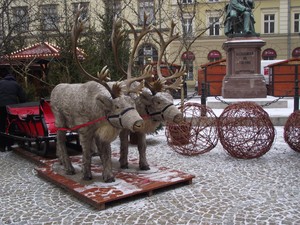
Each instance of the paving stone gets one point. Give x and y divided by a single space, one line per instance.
225 191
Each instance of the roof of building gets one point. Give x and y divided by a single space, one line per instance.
40 51
292 61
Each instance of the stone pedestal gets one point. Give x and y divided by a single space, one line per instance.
243 78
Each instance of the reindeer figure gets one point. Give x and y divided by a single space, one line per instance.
105 109
154 101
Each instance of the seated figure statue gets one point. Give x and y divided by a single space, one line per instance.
239 19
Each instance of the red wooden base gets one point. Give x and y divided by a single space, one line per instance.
129 182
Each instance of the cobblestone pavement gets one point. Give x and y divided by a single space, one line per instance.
225 190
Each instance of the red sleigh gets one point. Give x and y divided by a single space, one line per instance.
31 125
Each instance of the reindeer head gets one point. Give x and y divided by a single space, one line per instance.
154 99
120 109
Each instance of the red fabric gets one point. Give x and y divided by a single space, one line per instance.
82 125
24 111
49 117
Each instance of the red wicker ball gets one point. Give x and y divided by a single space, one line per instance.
245 130
292 131
197 134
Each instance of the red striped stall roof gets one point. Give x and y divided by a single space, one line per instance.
42 50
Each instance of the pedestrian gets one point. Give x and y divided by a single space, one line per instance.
10 93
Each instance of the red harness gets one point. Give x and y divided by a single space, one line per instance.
92 122
82 125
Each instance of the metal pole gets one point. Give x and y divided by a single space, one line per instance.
203 94
208 89
203 99
182 96
296 95
289 18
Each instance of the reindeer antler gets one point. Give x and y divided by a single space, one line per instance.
160 83
137 39
116 38
77 28
147 73
178 76
163 46
103 76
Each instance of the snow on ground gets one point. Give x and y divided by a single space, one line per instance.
225 190
272 110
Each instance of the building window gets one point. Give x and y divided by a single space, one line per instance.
187 1
187 27
214 26
85 10
117 7
49 17
188 57
146 7
190 69
269 23
297 23
269 54
20 18
147 54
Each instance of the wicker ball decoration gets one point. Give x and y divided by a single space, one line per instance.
197 134
245 130
292 131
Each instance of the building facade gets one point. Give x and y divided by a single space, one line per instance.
199 23
277 22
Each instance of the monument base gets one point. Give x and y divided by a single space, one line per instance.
244 86
243 78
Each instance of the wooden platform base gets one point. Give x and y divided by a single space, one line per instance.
129 182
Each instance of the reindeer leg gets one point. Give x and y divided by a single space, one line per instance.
142 151
105 156
86 143
62 153
124 149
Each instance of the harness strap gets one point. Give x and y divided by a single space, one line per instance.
97 120
161 112
82 125
120 115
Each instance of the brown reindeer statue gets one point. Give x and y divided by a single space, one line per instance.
98 111
154 102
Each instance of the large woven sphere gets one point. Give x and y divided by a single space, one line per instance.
197 134
292 131
245 130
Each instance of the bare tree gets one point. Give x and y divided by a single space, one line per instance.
25 22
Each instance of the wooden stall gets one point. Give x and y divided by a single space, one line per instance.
35 60
212 75
284 76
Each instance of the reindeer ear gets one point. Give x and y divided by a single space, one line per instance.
105 101
146 98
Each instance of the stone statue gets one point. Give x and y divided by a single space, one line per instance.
239 19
